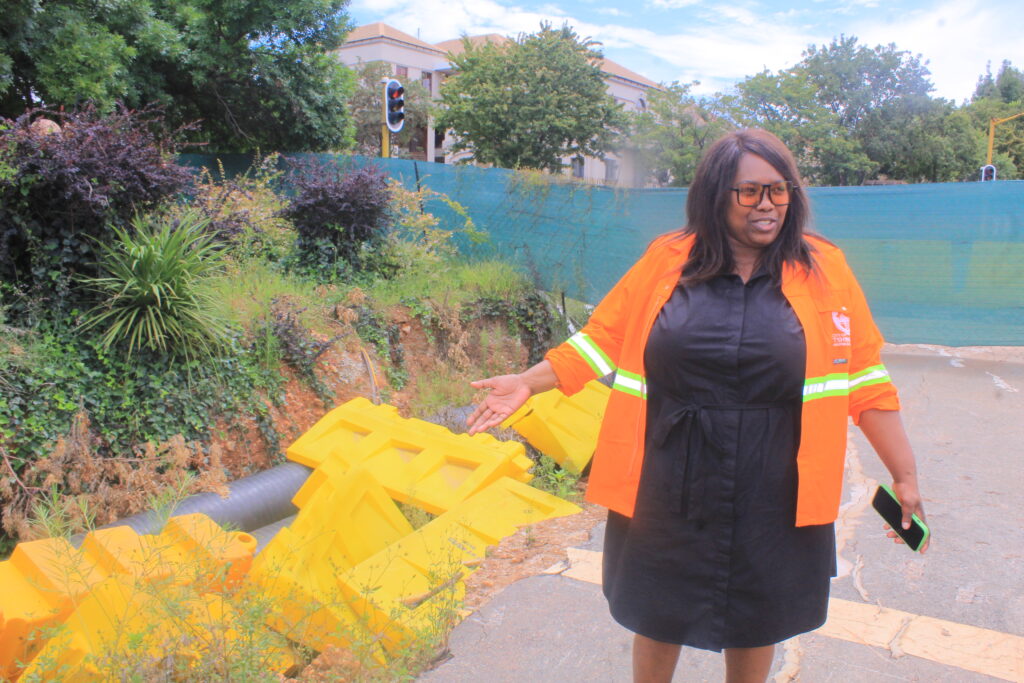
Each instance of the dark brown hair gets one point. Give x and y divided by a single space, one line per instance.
710 197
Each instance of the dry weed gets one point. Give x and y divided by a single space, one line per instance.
103 488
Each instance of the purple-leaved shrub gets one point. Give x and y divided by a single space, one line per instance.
68 184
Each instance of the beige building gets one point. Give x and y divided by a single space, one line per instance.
413 59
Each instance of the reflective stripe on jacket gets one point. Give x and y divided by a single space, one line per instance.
844 374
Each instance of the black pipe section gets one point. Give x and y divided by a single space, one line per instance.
264 534
253 502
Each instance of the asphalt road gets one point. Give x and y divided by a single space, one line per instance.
954 615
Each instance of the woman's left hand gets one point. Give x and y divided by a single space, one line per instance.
910 499
884 430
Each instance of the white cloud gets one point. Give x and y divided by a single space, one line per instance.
738 15
552 10
957 37
672 4
725 45
720 45
438 20
735 44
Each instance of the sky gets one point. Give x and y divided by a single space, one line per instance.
720 43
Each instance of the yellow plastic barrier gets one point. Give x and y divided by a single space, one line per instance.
327 588
40 583
124 623
417 462
297 579
43 580
344 518
190 549
405 589
350 512
565 428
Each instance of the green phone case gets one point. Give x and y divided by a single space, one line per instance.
914 518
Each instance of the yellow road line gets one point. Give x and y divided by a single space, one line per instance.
984 651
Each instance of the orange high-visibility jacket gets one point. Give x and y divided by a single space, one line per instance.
844 374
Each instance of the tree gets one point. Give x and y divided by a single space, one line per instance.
1007 86
850 112
852 80
923 140
999 98
531 102
786 104
669 137
1009 137
366 108
257 73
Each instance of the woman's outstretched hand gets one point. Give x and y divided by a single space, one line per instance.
507 394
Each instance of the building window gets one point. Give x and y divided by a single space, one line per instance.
577 167
641 104
427 79
439 146
401 72
611 170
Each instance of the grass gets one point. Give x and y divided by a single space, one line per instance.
451 282
17 348
250 289
417 516
440 389
549 476
246 295
176 616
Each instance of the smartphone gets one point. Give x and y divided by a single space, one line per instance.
888 506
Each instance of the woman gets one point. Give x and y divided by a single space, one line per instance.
740 345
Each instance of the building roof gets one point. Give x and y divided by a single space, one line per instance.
379 29
456 47
606 65
615 69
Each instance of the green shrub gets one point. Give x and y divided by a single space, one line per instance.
154 293
340 217
56 375
530 314
549 476
296 345
63 188
245 212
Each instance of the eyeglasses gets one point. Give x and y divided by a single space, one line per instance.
751 194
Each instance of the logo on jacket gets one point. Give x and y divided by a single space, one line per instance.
842 323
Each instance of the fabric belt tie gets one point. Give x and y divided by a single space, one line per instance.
701 452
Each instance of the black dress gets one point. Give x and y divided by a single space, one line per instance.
711 557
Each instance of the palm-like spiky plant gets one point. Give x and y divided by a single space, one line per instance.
153 289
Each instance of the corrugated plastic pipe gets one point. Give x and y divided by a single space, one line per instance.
253 502
264 534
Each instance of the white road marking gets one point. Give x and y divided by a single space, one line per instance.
792 659
943 351
861 488
1001 383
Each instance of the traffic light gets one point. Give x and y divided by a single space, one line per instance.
988 173
394 105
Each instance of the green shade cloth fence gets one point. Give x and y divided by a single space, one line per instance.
939 263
